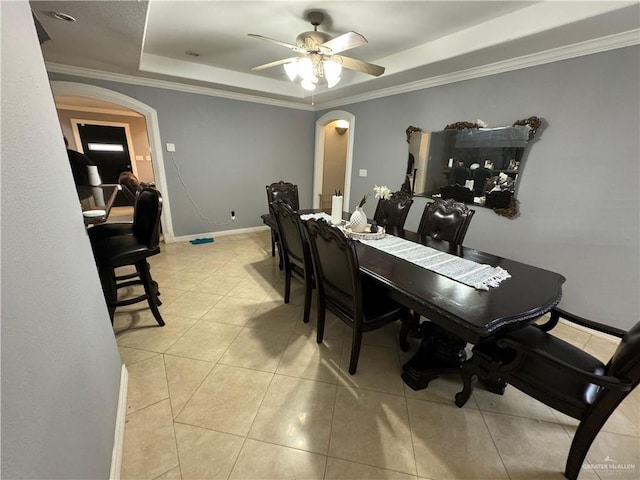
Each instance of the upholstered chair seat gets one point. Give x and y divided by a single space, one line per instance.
537 374
559 375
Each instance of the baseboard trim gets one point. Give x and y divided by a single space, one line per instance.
121 415
223 233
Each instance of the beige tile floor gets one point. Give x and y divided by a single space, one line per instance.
236 387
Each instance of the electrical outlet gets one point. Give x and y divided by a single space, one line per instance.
171 147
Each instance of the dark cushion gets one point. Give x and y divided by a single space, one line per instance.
539 378
377 306
121 250
498 199
458 192
105 230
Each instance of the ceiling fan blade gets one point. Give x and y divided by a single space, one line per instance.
359 65
295 48
273 64
344 42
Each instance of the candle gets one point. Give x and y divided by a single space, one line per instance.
336 209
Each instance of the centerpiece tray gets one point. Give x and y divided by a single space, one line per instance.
366 235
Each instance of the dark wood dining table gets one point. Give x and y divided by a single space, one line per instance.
456 314
100 197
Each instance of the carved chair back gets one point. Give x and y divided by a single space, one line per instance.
392 213
285 191
146 217
480 177
336 266
295 247
446 220
460 174
457 192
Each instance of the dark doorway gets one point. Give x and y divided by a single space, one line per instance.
107 147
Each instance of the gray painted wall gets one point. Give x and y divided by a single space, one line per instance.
60 364
226 152
578 189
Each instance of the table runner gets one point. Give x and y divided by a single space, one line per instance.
316 216
476 275
468 272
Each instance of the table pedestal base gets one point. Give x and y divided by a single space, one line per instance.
439 353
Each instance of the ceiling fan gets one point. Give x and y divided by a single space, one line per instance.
318 63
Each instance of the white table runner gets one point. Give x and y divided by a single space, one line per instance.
316 216
476 275
468 272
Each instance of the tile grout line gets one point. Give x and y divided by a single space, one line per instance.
173 425
495 445
413 446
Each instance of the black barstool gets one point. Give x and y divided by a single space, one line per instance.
115 247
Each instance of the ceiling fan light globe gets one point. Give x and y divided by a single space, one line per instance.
307 84
305 67
332 83
332 71
291 70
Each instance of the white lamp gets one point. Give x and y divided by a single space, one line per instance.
292 70
310 75
332 71
308 84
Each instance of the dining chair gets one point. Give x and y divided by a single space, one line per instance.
559 375
458 193
392 213
460 174
288 193
480 177
325 201
119 250
295 252
498 199
360 302
446 220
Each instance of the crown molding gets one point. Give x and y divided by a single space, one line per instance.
168 85
107 111
612 42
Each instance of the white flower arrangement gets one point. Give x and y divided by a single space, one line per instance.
481 123
381 191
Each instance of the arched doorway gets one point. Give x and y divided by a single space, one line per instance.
153 131
321 123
